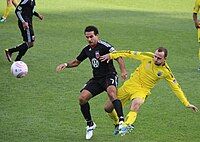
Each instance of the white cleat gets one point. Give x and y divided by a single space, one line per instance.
122 128
130 128
89 131
2 19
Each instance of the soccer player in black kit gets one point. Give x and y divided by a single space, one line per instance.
24 12
104 78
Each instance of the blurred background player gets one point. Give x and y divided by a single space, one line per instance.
196 22
8 9
153 68
24 12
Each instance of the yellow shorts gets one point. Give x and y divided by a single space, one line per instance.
133 92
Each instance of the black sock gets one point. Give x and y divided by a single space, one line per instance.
22 50
118 108
85 109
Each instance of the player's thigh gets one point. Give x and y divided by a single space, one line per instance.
110 80
112 92
139 93
85 96
136 103
93 87
27 34
123 96
138 98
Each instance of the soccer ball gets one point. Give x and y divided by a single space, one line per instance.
19 69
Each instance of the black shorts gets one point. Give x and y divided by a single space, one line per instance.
27 34
97 85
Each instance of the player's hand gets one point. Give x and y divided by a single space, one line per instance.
25 25
105 57
193 107
60 67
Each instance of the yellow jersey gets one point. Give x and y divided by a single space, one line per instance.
147 74
196 6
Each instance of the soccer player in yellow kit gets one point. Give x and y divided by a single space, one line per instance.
196 22
153 68
8 9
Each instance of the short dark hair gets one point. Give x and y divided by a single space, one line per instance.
162 49
91 28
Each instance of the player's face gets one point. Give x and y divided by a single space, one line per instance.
91 38
159 58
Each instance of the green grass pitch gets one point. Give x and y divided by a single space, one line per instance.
43 107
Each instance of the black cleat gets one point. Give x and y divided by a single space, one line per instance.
8 55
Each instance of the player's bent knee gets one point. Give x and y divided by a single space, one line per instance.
30 44
82 100
135 106
108 109
84 97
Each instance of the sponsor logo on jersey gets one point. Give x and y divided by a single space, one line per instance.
95 63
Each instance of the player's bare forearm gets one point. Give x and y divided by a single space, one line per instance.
69 64
72 63
122 67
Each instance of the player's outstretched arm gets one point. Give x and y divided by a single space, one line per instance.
122 67
70 64
193 107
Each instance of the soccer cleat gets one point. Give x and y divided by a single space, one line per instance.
122 128
116 130
2 19
8 55
89 131
130 128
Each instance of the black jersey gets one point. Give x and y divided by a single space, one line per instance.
25 10
100 69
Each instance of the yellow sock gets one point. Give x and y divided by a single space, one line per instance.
7 11
114 117
131 117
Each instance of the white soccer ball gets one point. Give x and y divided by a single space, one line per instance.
19 69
